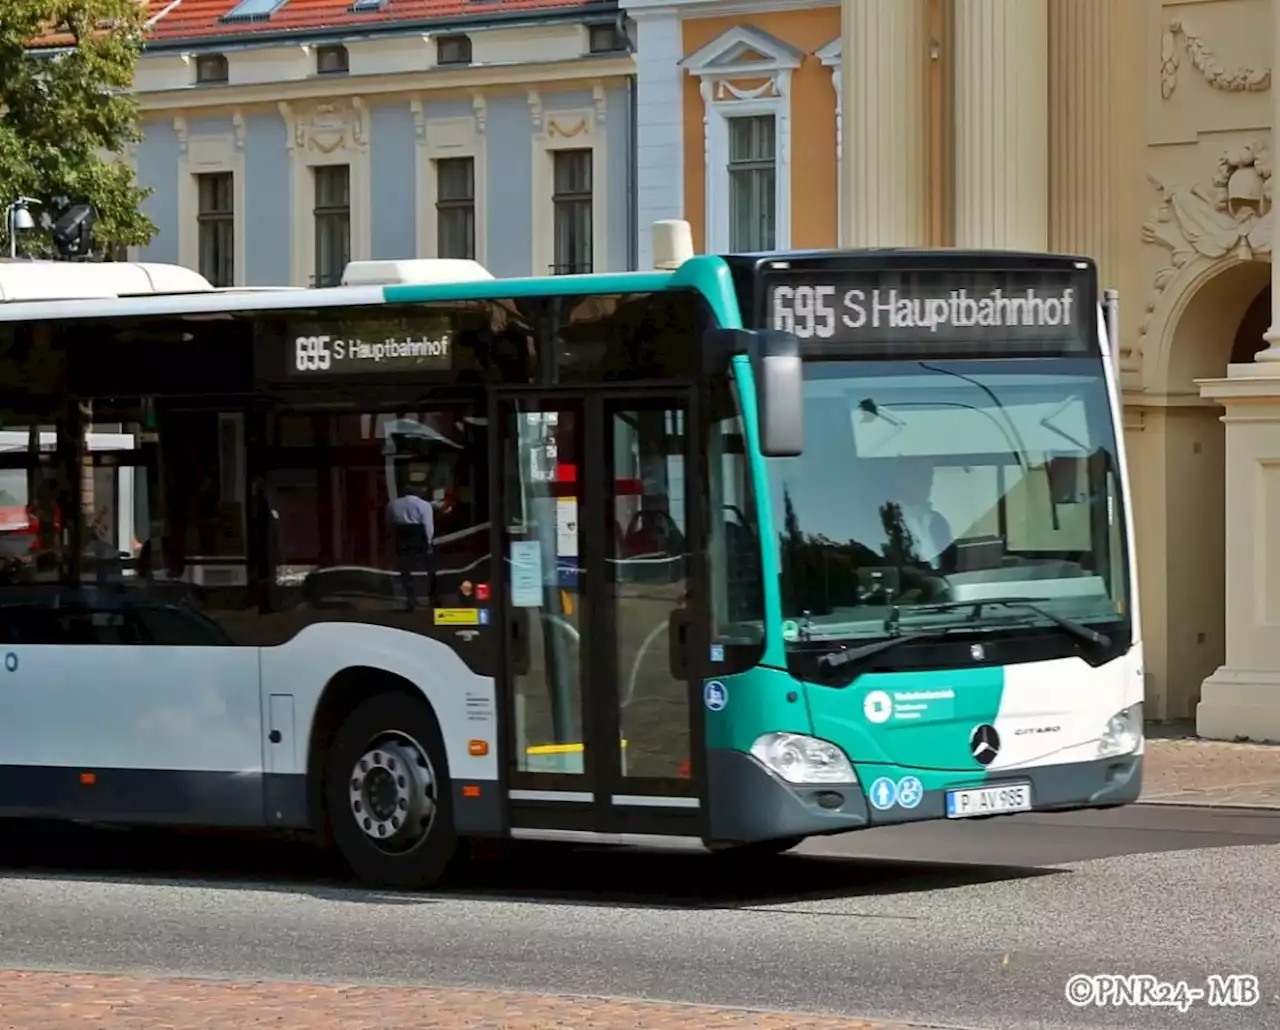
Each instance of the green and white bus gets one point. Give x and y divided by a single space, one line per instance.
743 551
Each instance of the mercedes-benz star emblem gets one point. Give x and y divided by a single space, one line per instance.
984 744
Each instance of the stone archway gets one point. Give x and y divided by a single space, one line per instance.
1256 321
1217 320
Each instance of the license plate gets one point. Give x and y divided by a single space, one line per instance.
964 804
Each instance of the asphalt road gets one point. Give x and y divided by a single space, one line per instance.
985 934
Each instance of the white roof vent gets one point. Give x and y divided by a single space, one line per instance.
94 280
414 271
672 243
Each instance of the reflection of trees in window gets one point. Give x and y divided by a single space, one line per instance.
900 546
819 574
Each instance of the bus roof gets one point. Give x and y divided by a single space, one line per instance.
211 302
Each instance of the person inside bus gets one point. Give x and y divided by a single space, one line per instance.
412 522
921 543
926 528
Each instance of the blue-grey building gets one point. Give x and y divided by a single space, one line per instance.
283 138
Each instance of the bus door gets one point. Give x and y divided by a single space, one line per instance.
601 540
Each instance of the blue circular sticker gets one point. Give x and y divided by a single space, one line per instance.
883 793
910 791
11 661
715 695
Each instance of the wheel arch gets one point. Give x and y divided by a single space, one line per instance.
345 690
331 667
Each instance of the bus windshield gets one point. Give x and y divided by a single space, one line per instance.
930 482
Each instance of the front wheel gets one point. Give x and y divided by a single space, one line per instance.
388 794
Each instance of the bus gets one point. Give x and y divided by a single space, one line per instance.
739 551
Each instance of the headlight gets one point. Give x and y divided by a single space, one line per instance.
801 759
1123 734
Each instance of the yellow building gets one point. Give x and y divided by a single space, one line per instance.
1138 132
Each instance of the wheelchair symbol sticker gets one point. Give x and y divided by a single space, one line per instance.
910 791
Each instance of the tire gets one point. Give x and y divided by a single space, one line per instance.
388 760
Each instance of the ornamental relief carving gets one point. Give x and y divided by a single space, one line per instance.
721 90
1229 214
1242 79
328 126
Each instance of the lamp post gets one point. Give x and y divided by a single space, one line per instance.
19 220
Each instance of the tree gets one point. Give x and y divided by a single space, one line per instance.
65 106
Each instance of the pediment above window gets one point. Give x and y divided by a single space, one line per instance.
744 52
831 55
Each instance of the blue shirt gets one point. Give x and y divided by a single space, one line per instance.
412 510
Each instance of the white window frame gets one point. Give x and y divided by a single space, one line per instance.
439 138
717 67
832 56
316 138
581 129
198 155
719 144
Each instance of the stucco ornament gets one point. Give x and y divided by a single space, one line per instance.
1230 214
1244 78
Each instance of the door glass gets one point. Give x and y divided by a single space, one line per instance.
648 579
542 462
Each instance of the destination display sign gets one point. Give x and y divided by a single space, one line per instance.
970 311
369 347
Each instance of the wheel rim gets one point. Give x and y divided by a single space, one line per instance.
392 793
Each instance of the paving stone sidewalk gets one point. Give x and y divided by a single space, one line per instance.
87 1001
1182 769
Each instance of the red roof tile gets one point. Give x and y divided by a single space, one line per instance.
201 19
61 39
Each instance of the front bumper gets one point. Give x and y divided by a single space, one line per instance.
749 803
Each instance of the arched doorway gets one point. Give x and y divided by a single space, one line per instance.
1256 321
1181 564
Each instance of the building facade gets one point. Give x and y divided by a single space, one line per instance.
283 138
1136 132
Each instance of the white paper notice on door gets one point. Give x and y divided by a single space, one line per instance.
566 527
526 573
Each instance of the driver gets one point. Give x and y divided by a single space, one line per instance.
927 532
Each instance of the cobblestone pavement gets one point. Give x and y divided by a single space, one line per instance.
1182 769
87 1001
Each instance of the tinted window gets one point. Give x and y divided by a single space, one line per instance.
629 336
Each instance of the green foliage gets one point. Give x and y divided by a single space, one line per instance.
65 107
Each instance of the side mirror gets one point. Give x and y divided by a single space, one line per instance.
775 362
779 378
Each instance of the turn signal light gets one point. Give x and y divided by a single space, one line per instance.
477 748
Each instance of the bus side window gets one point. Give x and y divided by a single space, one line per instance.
163 513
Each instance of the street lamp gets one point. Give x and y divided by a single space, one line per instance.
20 220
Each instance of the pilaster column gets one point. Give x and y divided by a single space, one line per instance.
1242 699
1002 132
1083 83
1272 352
659 124
884 187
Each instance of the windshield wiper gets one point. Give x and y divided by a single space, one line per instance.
835 659
1076 629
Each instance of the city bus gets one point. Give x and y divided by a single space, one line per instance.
740 551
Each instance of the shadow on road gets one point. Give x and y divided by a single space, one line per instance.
541 873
